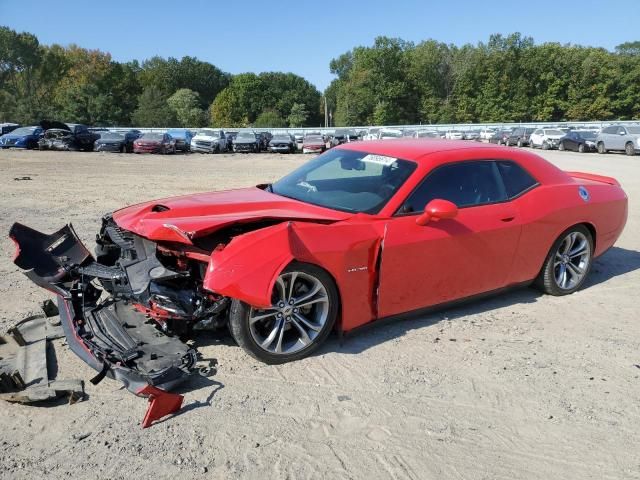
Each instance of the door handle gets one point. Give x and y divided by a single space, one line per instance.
508 219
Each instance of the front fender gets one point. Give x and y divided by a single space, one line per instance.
248 266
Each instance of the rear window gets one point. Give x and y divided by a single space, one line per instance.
516 179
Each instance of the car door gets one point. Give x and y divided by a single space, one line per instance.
454 258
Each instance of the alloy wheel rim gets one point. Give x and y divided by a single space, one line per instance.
571 260
298 313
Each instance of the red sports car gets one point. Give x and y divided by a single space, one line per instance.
363 232
313 144
153 142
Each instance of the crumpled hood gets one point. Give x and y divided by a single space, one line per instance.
180 219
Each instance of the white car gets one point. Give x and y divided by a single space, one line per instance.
545 138
454 135
486 133
389 134
372 134
209 140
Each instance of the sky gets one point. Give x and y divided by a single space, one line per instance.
302 37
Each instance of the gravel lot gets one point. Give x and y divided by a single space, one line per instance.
517 386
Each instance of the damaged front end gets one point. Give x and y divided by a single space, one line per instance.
121 311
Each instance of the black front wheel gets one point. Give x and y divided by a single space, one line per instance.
303 311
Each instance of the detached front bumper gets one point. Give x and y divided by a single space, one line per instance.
109 334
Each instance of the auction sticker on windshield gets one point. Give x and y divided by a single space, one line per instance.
379 159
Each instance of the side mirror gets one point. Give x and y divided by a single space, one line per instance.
437 209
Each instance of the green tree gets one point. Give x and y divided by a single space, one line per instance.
185 104
298 115
270 118
153 110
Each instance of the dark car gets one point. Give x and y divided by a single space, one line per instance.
282 143
23 137
231 137
500 137
66 136
519 136
183 137
578 141
264 138
7 127
246 142
343 135
116 142
154 142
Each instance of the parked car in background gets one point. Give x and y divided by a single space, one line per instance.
154 142
408 133
298 136
282 143
313 144
372 134
246 141
265 138
619 138
23 137
545 138
471 135
389 134
340 136
578 141
182 138
427 134
7 127
454 135
116 142
519 137
500 137
487 133
66 136
209 140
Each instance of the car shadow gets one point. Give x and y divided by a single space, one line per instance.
615 262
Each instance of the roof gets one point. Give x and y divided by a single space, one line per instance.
413 149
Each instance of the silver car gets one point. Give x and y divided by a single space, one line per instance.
619 137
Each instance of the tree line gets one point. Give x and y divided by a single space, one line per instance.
507 79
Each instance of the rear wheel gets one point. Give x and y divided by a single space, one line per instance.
304 308
561 146
601 148
629 149
568 263
581 148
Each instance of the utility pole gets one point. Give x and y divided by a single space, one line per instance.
326 112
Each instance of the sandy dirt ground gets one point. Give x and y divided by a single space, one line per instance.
520 386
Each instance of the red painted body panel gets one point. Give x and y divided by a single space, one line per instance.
198 215
385 264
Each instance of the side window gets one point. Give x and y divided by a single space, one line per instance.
465 184
516 179
610 130
622 131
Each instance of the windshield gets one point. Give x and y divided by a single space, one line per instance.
391 134
151 136
346 180
246 136
587 135
634 130
23 131
111 136
313 138
553 132
208 133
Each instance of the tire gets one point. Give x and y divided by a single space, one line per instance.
550 280
629 149
561 147
519 143
581 148
545 145
123 149
276 329
601 148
